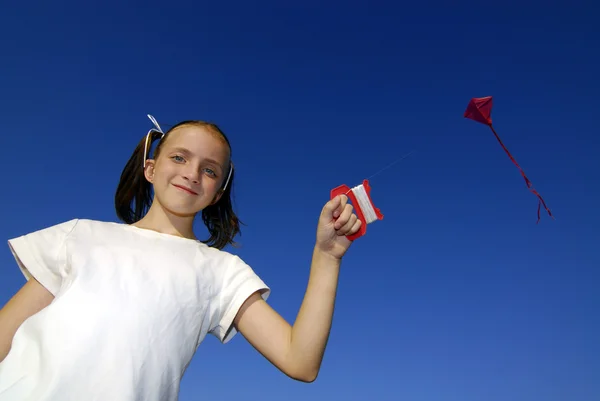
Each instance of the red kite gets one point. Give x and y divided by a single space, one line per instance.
480 110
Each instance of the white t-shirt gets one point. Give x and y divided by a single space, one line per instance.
131 306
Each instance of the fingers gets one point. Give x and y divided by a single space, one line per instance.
345 217
350 228
347 223
355 227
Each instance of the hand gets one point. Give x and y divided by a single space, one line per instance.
336 222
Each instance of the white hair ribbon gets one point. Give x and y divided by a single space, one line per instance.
157 129
228 176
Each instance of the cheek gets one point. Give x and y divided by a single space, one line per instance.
212 185
165 171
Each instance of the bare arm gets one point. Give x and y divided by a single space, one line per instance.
29 300
298 350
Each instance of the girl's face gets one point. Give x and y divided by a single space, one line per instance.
192 165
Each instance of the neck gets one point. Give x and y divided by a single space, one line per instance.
158 219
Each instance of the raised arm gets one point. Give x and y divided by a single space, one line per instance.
298 350
29 300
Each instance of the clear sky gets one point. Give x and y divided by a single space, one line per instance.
457 295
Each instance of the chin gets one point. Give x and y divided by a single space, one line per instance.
182 207
185 207
180 210
183 213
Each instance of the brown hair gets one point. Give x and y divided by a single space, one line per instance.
134 193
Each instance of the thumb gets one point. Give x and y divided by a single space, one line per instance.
335 206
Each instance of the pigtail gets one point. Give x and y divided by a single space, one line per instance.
134 193
220 219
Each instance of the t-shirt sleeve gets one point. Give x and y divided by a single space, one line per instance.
239 281
43 254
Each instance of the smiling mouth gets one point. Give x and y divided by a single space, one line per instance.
189 191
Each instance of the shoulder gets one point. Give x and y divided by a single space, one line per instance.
56 231
236 282
226 266
68 226
237 278
108 225
98 227
220 258
76 229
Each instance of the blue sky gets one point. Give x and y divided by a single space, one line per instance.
457 294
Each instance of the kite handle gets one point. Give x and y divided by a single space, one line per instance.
345 190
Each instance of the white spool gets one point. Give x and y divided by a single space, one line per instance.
364 203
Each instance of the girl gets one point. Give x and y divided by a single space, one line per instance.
116 311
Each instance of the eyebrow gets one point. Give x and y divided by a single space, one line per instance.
181 150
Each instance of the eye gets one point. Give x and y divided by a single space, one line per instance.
210 172
178 159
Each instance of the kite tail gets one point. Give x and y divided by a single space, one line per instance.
529 185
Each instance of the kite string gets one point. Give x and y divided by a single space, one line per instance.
391 164
361 194
372 175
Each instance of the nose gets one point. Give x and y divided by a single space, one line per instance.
192 174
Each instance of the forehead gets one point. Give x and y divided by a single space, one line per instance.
200 141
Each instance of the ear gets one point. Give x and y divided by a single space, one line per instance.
149 170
